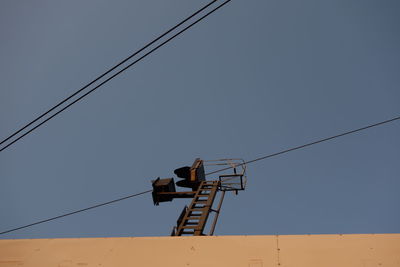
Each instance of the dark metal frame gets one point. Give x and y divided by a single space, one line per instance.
193 218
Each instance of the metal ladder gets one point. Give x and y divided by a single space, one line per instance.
193 218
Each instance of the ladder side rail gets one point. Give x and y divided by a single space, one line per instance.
217 211
207 207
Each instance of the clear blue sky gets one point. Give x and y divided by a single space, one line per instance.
254 78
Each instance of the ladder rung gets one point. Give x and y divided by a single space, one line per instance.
191 223
194 221
189 227
201 201
193 218
198 205
195 215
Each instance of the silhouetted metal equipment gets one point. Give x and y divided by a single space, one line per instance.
192 175
162 185
164 190
193 218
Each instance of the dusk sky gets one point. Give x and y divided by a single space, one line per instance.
254 78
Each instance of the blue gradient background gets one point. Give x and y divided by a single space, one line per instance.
255 78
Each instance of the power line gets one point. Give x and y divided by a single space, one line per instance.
74 212
113 76
110 78
310 144
247 162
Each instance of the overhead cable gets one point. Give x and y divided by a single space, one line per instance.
75 212
114 75
247 162
310 144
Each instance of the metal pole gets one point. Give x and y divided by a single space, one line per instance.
217 213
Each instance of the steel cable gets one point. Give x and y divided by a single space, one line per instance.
74 212
108 71
309 144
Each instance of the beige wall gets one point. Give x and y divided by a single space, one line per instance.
245 251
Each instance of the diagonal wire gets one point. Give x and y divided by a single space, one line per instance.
74 212
309 144
247 162
108 71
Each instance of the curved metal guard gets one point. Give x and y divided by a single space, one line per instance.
193 219
234 177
